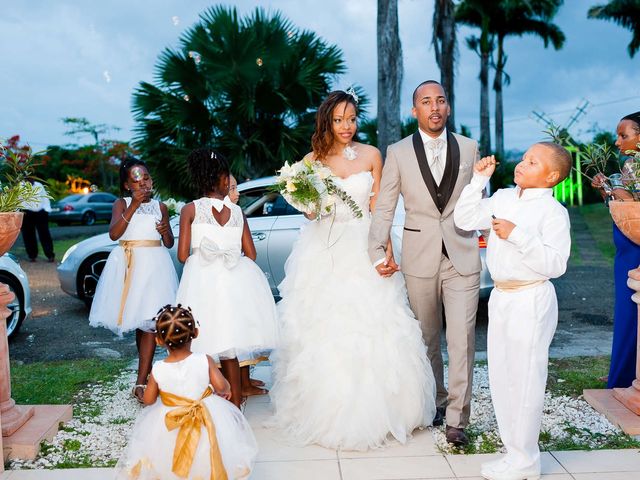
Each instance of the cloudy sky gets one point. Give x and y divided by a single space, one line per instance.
83 59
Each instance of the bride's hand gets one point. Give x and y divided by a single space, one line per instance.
388 267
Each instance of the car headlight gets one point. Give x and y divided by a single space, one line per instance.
69 252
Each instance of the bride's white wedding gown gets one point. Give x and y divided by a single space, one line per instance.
351 370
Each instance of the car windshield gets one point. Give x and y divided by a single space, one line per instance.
72 198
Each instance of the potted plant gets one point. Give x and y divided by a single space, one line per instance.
15 192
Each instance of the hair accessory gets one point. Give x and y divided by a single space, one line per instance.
351 91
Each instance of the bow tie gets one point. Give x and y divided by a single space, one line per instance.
210 251
220 204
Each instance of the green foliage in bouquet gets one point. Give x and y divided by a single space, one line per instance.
309 187
16 169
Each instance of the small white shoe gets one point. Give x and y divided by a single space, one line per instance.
501 470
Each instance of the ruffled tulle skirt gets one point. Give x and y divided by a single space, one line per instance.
150 448
351 370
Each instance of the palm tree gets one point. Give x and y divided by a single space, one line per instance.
477 13
444 45
519 17
389 74
625 13
246 86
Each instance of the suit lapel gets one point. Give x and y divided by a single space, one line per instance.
423 163
451 169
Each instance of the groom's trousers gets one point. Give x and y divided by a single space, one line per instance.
459 295
521 327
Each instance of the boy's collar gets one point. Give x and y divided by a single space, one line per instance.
529 193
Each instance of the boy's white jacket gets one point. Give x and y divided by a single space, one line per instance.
538 247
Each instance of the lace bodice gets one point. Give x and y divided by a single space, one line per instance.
358 187
227 236
143 222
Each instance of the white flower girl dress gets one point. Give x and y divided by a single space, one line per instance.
227 292
151 276
149 454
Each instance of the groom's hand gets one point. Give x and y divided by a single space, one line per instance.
485 166
388 267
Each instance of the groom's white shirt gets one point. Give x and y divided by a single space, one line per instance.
436 172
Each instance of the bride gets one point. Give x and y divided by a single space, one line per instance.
351 371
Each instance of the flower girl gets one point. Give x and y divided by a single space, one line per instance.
189 433
139 276
227 291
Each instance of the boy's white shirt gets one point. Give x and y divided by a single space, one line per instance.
537 248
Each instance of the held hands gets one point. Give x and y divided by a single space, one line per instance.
502 227
388 267
599 180
485 166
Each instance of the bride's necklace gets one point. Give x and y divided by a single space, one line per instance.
349 153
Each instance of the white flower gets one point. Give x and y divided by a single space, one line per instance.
291 187
286 171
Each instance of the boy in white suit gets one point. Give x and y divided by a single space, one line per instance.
529 243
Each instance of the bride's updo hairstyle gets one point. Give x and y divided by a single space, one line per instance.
206 167
175 326
322 138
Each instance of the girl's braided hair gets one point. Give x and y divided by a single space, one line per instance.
175 326
206 166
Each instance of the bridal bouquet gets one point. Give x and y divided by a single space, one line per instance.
309 186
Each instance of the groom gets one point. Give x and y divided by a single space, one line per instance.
441 264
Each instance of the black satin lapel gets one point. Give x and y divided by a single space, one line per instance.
423 163
452 167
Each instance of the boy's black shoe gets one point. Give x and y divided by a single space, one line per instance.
438 420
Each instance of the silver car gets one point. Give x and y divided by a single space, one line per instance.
84 208
16 279
274 227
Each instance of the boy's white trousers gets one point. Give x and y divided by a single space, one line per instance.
521 327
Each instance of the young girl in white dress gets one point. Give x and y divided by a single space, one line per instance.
216 442
226 290
139 276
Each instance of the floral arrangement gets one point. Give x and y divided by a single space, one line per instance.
597 160
309 186
15 189
173 206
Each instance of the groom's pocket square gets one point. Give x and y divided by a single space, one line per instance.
412 229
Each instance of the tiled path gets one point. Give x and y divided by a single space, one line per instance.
418 459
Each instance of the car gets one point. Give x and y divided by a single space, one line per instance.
12 274
274 226
85 208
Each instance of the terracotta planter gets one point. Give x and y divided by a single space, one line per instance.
626 216
10 223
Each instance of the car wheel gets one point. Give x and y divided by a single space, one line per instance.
14 321
89 218
88 276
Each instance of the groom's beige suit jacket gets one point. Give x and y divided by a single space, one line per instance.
426 227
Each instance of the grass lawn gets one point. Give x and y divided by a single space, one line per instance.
59 247
59 382
599 223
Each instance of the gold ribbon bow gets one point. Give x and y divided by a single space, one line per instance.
210 251
128 246
189 415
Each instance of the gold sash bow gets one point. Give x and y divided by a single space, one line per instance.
189 416
517 285
128 246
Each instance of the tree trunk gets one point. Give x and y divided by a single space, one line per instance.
498 82
485 123
444 41
389 74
